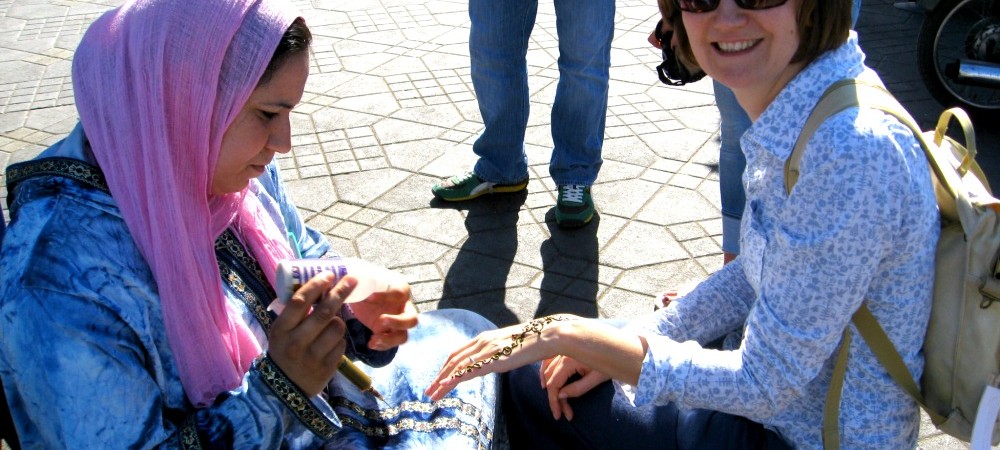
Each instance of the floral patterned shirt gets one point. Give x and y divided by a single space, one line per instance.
861 224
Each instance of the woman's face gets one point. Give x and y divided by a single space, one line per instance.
748 50
262 128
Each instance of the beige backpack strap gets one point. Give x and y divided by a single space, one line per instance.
886 353
831 410
838 97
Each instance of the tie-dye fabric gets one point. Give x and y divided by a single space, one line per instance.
861 224
85 360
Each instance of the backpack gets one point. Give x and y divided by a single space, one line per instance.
962 345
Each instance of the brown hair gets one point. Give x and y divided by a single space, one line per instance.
823 25
295 40
670 13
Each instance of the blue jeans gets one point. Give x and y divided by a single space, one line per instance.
498 45
603 420
735 122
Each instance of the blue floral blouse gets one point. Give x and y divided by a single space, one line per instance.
85 360
860 225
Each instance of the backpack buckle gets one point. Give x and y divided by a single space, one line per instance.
990 291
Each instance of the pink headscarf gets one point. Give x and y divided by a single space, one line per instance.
157 83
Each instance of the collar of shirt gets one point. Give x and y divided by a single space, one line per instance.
777 128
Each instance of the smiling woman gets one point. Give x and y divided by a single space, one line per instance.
141 257
745 360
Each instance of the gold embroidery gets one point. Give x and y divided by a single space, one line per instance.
64 167
383 428
407 407
294 398
228 243
189 434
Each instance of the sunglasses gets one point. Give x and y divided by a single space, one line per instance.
703 6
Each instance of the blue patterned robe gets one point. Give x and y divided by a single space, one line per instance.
85 360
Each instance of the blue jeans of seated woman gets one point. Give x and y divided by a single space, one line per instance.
498 45
603 420
731 160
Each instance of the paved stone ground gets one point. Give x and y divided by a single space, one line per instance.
389 109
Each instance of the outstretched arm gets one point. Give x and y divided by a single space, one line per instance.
595 344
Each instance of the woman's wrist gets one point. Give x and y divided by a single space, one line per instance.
558 338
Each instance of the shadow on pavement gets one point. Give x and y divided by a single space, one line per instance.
477 279
569 264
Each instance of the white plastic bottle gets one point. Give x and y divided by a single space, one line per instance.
293 273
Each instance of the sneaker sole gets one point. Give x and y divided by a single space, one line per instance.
574 223
498 189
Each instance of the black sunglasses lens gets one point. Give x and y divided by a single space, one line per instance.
759 4
700 6
697 6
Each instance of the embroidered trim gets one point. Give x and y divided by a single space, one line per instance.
410 424
405 407
188 434
64 167
228 245
293 398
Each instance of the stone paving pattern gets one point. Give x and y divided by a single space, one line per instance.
389 109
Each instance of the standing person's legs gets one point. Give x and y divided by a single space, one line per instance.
585 29
735 122
498 45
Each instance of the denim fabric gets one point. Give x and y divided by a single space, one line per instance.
462 420
735 122
498 45
603 420
85 359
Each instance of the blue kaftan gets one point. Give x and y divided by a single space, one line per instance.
85 360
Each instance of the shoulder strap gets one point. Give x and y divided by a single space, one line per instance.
839 96
868 94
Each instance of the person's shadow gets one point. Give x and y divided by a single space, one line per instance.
477 279
570 265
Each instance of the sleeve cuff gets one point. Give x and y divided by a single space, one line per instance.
663 372
313 413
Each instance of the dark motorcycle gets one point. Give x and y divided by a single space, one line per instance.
958 53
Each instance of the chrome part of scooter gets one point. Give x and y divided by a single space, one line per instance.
958 46
975 73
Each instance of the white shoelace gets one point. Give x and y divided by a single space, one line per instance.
573 192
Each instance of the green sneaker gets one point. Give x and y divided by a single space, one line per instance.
574 207
469 186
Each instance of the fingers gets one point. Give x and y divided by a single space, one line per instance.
396 322
385 341
457 369
302 300
553 376
330 345
589 381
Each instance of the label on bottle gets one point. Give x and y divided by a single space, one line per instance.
293 273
